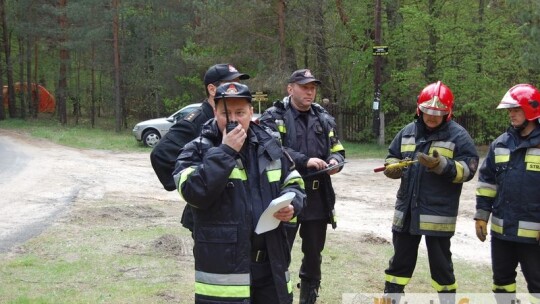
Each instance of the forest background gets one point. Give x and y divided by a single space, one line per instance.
138 59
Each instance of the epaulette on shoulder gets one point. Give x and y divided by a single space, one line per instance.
318 108
191 116
279 104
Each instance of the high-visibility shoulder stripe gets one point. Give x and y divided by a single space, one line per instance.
273 171
502 155
294 178
237 173
184 174
407 148
408 144
532 158
408 141
445 148
282 128
337 147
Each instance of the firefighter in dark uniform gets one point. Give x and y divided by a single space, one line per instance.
163 156
507 190
428 197
308 132
229 178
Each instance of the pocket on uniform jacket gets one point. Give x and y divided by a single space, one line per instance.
217 245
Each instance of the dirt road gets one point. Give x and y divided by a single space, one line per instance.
51 177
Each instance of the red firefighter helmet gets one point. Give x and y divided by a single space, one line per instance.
525 96
436 99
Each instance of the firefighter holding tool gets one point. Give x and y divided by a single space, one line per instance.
507 191
433 156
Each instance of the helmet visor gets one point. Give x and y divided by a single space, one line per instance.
434 106
508 102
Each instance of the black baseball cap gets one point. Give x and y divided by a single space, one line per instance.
233 90
303 76
222 72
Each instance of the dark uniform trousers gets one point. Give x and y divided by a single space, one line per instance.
263 290
505 257
313 234
403 262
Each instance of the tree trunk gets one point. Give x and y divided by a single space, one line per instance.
431 63
2 114
480 40
9 67
22 87
116 55
64 59
30 85
281 30
323 71
93 87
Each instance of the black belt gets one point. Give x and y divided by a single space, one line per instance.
313 184
259 256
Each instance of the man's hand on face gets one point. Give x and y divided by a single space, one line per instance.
235 139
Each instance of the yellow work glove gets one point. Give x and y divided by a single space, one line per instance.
481 229
429 161
394 168
393 172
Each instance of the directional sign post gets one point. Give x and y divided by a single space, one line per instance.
380 50
260 96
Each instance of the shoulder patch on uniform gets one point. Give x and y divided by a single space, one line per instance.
191 116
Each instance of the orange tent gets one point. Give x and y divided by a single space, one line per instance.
46 99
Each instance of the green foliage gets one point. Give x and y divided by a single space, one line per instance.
166 46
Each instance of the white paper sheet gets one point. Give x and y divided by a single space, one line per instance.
267 221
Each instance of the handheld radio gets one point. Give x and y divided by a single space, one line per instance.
230 124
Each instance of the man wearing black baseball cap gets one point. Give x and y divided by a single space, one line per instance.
163 156
303 76
223 72
309 134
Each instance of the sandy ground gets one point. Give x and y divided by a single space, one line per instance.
45 179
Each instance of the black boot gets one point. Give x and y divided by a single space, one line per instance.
309 291
393 292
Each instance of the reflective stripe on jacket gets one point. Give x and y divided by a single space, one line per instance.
507 187
214 180
432 199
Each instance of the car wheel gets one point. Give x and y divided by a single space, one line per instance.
151 138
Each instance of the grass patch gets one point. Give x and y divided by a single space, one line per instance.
104 137
82 135
93 257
